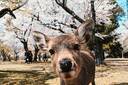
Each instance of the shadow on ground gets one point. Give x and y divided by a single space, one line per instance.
24 78
121 83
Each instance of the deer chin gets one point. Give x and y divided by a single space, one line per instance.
68 75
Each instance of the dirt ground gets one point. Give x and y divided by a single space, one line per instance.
13 73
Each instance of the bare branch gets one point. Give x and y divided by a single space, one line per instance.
25 32
47 25
68 25
29 32
53 28
5 11
63 5
18 36
58 2
60 30
22 39
8 10
93 11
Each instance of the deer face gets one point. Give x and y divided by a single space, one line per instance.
65 55
65 51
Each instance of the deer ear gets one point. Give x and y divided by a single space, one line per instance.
41 39
46 38
84 31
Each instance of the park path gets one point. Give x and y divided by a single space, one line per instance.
115 75
105 75
21 66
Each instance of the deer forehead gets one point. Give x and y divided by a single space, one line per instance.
63 40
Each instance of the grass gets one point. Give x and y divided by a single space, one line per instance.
42 74
103 68
24 78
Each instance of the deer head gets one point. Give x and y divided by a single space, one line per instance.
65 50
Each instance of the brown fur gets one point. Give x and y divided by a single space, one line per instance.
84 71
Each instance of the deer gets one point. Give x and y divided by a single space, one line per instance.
71 58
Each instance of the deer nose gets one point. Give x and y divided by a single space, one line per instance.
65 65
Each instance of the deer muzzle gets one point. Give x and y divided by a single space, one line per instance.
65 65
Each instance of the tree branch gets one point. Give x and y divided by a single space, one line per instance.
8 10
5 11
63 5
68 25
47 24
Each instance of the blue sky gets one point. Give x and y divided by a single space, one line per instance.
122 19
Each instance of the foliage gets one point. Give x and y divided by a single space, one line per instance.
5 52
5 48
110 44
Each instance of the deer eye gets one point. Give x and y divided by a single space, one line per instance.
52 51
76 47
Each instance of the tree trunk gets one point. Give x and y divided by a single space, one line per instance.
3 55
99 51
36 52
25 44
9 58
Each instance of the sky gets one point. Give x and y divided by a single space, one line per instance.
122 19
